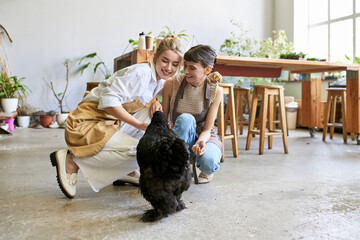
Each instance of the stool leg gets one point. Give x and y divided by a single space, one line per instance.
327 116
352 135
332 115
283 123
220 125
227 115
248 100
237 98
240 113
252 117
271 116
262 120
233 122
343 115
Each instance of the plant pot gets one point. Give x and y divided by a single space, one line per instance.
9 105
46 120
23 121
61 118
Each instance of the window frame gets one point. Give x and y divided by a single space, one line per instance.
354 16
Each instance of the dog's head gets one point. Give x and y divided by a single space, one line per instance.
159 119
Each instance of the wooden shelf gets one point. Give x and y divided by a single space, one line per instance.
133 57
4 116
125 60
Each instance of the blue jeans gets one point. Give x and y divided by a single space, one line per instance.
185 128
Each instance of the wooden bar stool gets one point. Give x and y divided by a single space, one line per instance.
240 94
229 90
268 93
329 121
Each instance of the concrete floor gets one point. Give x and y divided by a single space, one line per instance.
311 193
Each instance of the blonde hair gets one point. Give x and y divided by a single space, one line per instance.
170 42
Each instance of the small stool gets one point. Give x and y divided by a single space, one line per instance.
239 93
268 93
330 112
229 90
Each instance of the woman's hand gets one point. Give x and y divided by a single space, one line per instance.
199 148
215 77
143 126
155 106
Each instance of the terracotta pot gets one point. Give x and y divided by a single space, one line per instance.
46 120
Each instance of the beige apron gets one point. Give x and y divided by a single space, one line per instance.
89 128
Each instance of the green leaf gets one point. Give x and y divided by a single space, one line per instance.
91 55
356 60
83 68
97 65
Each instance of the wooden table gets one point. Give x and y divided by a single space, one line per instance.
311 83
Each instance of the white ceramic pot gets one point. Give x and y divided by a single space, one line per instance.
61 118
23 121
9 105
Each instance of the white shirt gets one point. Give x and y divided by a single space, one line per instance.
125 85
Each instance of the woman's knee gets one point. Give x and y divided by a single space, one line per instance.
184 123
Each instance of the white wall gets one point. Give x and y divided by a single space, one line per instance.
46 32
284 17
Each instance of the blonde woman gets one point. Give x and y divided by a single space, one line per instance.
103 131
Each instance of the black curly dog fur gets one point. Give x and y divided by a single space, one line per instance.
164 169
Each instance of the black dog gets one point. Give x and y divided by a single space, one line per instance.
164 169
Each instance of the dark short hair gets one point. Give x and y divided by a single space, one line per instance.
204 54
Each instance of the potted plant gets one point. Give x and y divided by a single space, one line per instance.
60 96
99 64
46 118
11 88
293 55
24 113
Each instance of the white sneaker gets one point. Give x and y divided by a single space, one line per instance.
205 178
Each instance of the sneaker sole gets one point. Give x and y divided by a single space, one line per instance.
55 163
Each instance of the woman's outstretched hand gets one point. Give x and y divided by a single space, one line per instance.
155 106
199 148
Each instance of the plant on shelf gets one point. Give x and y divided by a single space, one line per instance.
11 89
26 109
273 47
293 55
167 31
25 112
97 64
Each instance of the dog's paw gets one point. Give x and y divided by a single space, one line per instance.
152 215
180 206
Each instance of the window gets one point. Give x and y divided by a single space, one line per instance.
332 28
